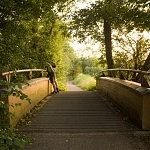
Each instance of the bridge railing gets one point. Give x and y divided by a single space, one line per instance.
17 89
142 77
28 74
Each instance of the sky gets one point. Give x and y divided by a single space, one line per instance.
89 48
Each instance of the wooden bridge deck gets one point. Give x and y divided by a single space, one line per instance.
82 120
80 111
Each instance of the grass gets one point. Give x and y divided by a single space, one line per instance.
86 82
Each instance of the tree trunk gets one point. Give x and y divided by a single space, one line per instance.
108 43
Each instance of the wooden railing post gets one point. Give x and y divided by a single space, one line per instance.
143 82
30 74
121 75
42 73
8 77
103 75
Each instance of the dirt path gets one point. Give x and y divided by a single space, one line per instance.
71 87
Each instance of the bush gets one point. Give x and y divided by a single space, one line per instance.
86 82
10 140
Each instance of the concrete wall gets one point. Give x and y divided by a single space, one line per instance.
36 91
130 96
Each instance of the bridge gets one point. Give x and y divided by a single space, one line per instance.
115 116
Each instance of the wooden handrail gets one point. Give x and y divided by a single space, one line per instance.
9 73
24 70
141 74
129 70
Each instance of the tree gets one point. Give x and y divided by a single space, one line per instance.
138 14
31 34
110 15
131 49
92 19
21 32
27 28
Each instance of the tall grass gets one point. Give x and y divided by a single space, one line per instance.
86 82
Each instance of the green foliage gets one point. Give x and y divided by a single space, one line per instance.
10 140
76 68
25 31
131 51
86 82
60 53
7 89
69 58
138 15
32 34
90 66
93 71
103 16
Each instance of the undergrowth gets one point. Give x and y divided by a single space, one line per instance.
86 82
